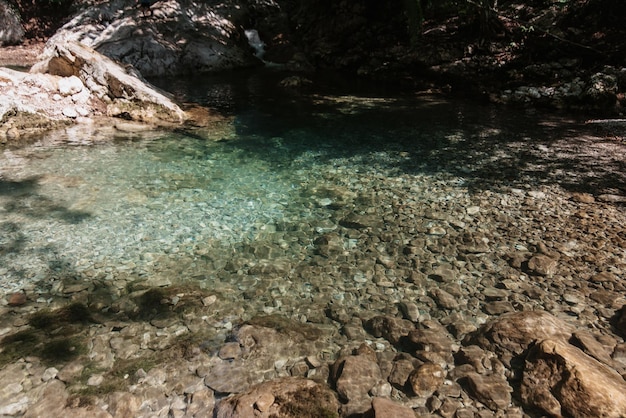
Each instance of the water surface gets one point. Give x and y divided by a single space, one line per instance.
309 197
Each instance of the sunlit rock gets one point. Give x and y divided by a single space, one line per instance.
121 92
177 37
510 334
563 381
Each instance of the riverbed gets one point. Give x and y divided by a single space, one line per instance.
323 206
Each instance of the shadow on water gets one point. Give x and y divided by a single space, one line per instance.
22 197
488 145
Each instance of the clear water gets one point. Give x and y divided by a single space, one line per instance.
240 213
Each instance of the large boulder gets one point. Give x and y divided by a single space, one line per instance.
121 91
511 334
178 36
562 380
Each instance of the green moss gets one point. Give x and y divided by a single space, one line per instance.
287 326
61 350
74 313
18 345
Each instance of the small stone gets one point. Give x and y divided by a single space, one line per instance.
410 310
583 197
382 389
17 299
209 300
69 86
437 230
230 351
472 210
543 265
95 380
70 112
444 299
498 307
49 373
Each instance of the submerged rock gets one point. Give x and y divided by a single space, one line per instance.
285 397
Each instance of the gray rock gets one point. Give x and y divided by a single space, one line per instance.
109 82
12 32
179 37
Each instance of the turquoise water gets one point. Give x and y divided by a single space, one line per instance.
304 198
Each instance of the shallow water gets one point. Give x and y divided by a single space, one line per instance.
243 214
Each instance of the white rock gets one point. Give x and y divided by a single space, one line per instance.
49 373
16 408
70 112
95 380
69 86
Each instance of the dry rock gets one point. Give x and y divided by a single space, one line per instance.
563 381
543 265
493 390
426 379
510 334
386 408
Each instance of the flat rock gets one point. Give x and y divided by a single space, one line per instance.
493 390
358 375
562 380
386 408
